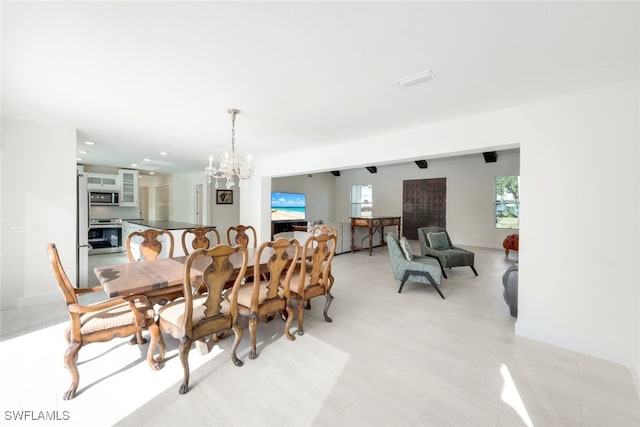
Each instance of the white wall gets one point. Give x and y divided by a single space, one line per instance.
578 251
182 196
38 206
578 157
225 216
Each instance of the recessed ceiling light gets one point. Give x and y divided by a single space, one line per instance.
89 143
147 160
134 165
415 79
82 152
152 173
78 159
162 153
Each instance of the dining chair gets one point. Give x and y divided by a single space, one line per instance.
261 298
240 236
102 321
212 312
200 240
312 279
151 246
320 229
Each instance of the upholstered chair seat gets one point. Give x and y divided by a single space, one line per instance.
114 317
174 311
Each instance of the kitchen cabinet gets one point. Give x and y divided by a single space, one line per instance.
129 182
102 181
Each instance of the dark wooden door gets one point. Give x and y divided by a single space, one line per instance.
424 204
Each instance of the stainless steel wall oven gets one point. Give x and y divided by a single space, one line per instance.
105 236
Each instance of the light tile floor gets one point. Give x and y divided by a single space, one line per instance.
388 359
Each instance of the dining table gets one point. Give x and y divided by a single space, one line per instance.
158 278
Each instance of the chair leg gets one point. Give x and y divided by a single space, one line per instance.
253 326
70 357
156 341
185 346
405 277
425 274
300 304
237 330
288 318
329 298
474 270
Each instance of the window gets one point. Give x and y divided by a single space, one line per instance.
361 200
508 202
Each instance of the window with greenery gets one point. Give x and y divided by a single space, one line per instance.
361 200
508 202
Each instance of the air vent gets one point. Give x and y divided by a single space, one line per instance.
415 79
372 169
422 164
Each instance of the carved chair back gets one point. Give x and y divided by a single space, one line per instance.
241 237
151 246
200 239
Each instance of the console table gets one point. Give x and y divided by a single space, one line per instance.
374 224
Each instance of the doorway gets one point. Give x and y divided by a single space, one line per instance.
162 203
424 204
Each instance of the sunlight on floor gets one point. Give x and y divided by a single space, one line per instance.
113 375
511 396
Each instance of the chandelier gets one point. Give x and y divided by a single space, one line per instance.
231 165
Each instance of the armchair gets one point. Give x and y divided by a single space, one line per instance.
435 242
407 266
102 321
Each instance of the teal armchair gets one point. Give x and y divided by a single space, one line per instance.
435 242
416 268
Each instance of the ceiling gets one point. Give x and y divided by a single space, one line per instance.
141 78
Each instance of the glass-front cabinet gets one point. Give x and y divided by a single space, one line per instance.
129 182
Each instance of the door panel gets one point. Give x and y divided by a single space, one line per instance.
424 204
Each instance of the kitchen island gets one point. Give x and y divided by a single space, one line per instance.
175 227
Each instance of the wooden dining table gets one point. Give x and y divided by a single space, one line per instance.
165 276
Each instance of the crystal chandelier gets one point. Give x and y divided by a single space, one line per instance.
232 165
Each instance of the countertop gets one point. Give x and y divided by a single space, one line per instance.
166 225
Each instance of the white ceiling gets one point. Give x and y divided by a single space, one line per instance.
140 78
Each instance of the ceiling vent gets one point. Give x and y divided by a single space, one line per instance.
335 173
372 169
415 79
490 156
422 164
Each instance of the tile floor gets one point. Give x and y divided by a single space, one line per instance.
388 359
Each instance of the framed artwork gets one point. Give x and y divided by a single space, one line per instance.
224 197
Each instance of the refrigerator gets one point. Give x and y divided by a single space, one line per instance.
82 235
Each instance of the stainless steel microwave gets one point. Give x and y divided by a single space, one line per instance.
104 198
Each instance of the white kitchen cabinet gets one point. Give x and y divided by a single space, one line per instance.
102 181
129 182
